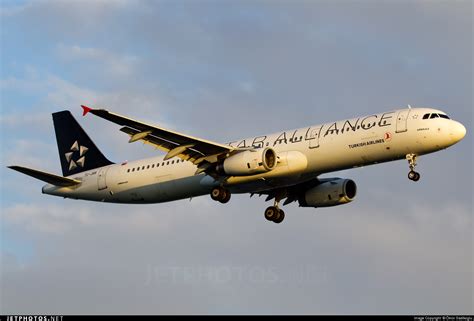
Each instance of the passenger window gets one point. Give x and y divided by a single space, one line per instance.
434 116
148 167
157 164
138 168
168 162
133 169
128 170
172 162
152 165
426 116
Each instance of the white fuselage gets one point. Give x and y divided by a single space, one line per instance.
303 153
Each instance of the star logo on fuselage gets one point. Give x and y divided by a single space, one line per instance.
76 149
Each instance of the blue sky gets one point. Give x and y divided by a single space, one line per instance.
221 71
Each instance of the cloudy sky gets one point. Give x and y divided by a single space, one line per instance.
223 70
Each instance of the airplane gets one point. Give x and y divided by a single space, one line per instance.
283 166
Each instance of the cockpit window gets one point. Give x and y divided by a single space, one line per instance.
431 116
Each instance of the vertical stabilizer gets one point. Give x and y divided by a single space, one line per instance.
77 152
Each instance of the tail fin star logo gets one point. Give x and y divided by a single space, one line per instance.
76 148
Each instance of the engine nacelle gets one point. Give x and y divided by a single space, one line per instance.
331 193
249 162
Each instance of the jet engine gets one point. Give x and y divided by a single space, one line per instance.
249 162
333 192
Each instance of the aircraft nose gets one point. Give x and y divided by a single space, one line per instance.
458 131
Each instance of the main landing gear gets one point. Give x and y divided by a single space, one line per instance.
275 214
272 213
412 175
220 194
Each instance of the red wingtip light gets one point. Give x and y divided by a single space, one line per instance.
85 110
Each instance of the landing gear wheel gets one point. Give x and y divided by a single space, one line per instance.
417 177
280 217
274 214
271 213
225 197
414 176
220 194
216 193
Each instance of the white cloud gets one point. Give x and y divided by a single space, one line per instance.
28 120
60 219
327 255
44 220
55 93
101 61
95 9
65 93
30 151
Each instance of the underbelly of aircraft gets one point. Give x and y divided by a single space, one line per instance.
193 186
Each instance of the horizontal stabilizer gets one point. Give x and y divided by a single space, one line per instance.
46 177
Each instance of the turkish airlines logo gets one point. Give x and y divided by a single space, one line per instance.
387 136
76 148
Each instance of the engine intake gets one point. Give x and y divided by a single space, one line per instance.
249 162
330 193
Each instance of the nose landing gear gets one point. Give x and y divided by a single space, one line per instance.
412 175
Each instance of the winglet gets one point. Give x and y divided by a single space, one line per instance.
85 110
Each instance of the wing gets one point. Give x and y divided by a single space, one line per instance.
198 151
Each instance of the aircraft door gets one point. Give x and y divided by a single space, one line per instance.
402 119
312 135
101 178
